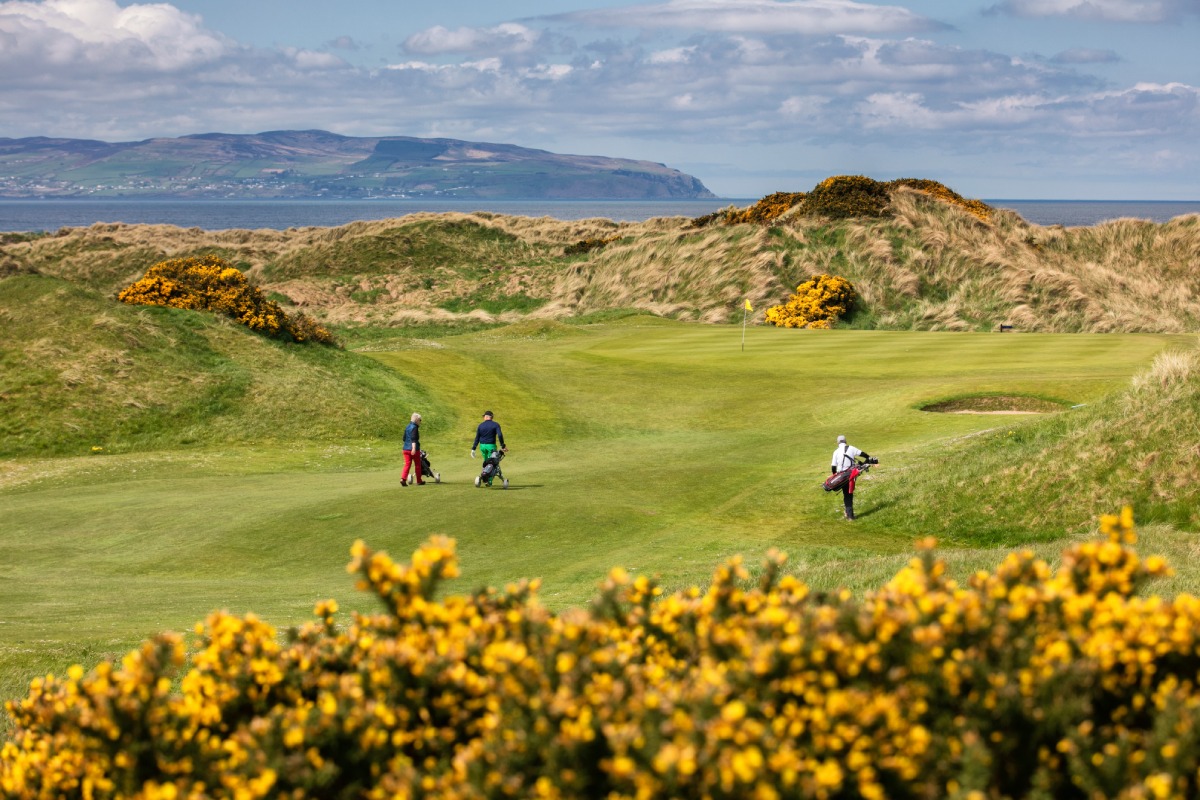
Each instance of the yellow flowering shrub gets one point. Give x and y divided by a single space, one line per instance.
978 208
817 303
766 210
1026 682
841 197
209 283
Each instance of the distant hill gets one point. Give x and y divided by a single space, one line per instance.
314 164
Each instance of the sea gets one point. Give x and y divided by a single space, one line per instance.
51 215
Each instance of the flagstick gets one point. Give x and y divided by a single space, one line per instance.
744 312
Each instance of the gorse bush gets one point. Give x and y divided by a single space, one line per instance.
817 303
841 197
978 208
844 196
209 283
1023 683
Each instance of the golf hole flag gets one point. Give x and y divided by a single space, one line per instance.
748 306
748 309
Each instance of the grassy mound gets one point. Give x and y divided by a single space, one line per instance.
928 263
82 371
1139 447
841 197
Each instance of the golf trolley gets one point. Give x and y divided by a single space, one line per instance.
426 471
491 471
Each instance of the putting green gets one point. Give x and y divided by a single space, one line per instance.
660 447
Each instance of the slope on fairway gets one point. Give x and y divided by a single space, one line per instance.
659 447
1138 447
81 370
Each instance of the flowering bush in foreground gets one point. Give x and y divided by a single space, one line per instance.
817 303
1023 683
209 283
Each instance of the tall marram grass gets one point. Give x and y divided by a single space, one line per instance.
926 264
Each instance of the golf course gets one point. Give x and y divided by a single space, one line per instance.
211 572
661 447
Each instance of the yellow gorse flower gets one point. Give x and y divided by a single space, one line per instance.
1063 682
209 283
817 304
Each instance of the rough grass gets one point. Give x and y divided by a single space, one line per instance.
82 371
927 265
1138 447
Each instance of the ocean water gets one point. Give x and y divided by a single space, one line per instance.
50 215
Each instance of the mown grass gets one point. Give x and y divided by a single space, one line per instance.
658 446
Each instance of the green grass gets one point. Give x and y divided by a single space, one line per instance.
661 447
462 248
83 371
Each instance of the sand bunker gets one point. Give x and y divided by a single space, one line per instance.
995 404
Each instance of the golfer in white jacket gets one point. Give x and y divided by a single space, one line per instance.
844 457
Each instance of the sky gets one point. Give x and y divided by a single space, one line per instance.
997 99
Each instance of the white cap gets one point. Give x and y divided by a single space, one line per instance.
841 439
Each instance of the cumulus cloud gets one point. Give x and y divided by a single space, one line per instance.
510 37
66 36
1150 11
1146 110
686 73
811 17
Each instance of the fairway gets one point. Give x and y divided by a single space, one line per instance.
660 447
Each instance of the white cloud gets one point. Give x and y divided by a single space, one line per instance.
1150 11
853 83
1084 55
810 17
507 38
313 59
675 55
1145 111
550 72
100 36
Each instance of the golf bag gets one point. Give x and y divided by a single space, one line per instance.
847 476
426 470
838 479
491 469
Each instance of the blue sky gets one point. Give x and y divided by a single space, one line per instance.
1066 99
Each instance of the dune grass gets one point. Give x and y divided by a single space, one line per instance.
657 446
926 265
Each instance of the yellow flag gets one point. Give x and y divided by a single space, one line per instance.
748 306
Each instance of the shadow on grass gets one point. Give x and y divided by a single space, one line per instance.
875 508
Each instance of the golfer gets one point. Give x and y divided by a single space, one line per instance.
412 450
487 435
844 458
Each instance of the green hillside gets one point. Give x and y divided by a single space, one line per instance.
319 164
81 370
1046 477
